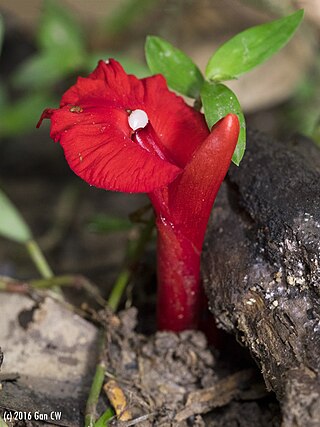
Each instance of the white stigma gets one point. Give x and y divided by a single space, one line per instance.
138 119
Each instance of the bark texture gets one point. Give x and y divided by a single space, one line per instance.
261 267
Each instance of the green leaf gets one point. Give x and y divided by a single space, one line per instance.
179 70
1 31
12 225
218 101
107 223
59 31
251 47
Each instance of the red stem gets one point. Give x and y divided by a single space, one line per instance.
179 296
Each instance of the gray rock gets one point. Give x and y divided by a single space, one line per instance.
49 357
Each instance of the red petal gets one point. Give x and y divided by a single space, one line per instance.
108 82
98 148
180 128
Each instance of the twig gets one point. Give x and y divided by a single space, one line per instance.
8 284
136 420
218 395
134 253
76 281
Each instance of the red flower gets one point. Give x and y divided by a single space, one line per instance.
93 129
125 134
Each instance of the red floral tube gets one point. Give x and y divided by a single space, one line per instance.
183 209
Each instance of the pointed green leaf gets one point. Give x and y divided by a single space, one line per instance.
179 70
251 47
218 101
12 225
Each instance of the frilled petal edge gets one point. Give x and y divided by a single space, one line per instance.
108 81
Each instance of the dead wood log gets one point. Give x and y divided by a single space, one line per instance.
261 267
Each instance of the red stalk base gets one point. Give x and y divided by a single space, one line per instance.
179 296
